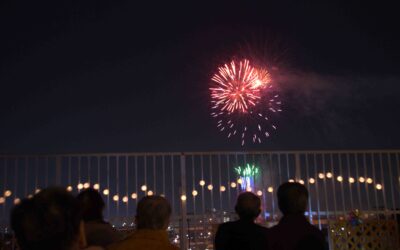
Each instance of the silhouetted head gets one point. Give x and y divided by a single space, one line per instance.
248 206
153 212
92 204
292 198
50 220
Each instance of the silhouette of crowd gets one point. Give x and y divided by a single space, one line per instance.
55 219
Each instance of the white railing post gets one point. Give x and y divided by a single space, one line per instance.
297 167
58 170
183 222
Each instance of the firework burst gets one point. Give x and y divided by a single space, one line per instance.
242 101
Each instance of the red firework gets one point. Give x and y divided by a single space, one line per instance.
238 86
240 93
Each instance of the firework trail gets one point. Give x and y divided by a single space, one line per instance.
242 101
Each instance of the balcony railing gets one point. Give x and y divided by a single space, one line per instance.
202 186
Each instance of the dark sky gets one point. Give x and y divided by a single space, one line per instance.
93 76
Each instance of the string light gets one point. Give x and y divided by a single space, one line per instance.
79 186
106 192
116 198
361 179
134 196
96 186
378 186
291 180
339 178
143 188
321 175
222 188
301 182
248 189
311 180
194 193
37 190
233 184
239 181
329 175
125 199
7 193
183 197
86 185
202 183
210 187
16 201
270 189
351 180
2 200
369 181
69 188
259 193
150 193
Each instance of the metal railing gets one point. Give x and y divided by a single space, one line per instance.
202 186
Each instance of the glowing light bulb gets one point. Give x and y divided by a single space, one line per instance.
143 188
361 179
369 180
321 175
86 185
134 196
210 187
351 180
17 201
7 193
248 189
233 184
301 182
291 180
106 192
239 181
183 197
150 193
202 183
116 198
329 175
222 188
125 199
69 188
96 186
37 190
378 186
311 180
259 193
339 178
270 189
79 186
194 193
2 200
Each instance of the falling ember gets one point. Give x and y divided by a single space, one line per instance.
242 98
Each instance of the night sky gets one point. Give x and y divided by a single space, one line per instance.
94 76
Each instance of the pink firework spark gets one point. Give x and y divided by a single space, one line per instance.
243 101
238 86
